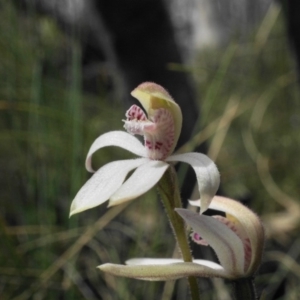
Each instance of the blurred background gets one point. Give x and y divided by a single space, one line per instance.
66 71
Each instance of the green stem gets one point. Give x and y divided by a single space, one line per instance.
170 196
244 288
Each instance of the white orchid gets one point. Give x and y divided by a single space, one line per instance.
237 239
161 129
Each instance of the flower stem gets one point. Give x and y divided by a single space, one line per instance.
170 196
244 288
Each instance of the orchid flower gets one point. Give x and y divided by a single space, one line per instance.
237 239
160 126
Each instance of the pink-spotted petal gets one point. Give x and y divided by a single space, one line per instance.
160 140
158 130
141 181
227 245
136 121
115 138
207 175
198 239
166 269
103 184
135 113
233 224
153 96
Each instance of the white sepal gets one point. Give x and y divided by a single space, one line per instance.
141 181
115 138
166 269
207 175
103 184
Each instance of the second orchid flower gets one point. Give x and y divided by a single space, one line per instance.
237 239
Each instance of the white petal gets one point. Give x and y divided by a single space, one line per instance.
165 271
207 174
115 138
248 220
152 261
103 184
166 261
227 245
141 181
